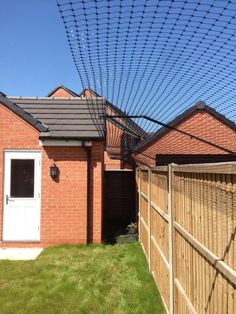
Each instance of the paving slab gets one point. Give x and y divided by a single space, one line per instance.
19 254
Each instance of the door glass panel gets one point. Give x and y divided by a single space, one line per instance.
22 178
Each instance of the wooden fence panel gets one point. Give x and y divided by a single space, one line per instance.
144 237
144 182
143 211
160 194
160 232
206 212
160 273
202 204
154 232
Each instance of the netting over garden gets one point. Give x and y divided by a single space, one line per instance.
155 58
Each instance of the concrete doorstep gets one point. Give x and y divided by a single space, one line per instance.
19 254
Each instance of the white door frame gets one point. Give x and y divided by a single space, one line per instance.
10 154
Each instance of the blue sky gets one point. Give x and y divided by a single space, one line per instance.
157 59
34 54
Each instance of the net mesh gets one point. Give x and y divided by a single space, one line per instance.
155 58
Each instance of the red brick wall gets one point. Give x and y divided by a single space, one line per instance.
63 203
97 170
115 151
115 164
87 93
201 124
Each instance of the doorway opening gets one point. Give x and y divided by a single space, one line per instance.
119 203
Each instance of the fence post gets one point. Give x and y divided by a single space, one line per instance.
139 203
149 218
170 238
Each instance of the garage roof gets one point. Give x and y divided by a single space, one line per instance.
65 118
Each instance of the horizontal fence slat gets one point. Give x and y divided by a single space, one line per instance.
160 251
227 168
160 168
184 295
144 196
144 223
144 250
216 261
163 300
160 211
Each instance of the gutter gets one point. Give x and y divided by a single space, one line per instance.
88 224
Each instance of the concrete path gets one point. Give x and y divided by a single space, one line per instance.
19 254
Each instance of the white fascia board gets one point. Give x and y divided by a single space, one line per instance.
61 142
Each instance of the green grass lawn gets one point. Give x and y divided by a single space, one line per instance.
80 279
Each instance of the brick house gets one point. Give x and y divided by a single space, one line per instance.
63 179
52 166
213 139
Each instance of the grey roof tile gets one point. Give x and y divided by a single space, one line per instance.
66 118
22 113
71 117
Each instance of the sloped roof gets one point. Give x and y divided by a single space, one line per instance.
93 93
198 106
65 118
73 94
22 113
128 123
73 117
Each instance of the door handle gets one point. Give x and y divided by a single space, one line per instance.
8 199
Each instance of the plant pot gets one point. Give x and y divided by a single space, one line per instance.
133 230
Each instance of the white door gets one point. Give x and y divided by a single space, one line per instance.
22 185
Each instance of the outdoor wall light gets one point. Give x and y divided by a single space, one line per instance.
54 171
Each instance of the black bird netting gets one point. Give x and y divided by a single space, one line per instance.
155 58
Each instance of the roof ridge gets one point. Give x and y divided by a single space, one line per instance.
54 99
2 94
91 90
74 94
